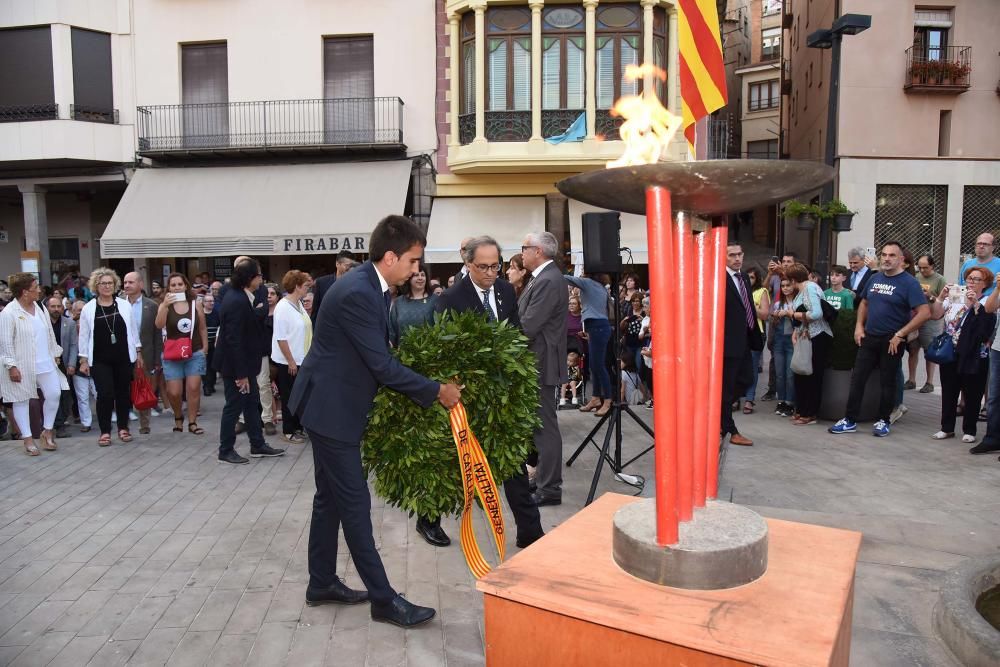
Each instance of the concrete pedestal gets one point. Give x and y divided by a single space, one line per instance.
564 601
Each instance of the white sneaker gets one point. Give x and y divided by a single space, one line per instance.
133 416
968 438
575 401
562 402
941 435
154 412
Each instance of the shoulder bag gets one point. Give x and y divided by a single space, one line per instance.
178 349
942 347
802 351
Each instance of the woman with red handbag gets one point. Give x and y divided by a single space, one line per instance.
183 318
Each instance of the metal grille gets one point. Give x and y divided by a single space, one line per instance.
607 125
719 137
508 125
980 213
913 215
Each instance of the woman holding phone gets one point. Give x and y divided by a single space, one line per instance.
182 316
971 325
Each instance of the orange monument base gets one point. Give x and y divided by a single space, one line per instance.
564 601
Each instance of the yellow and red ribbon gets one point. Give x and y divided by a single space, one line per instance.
477 478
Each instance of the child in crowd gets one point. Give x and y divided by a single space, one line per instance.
575 374
839 296
631 392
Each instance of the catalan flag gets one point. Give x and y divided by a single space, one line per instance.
702 73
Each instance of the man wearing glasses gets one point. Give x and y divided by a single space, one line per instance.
984 258
483 291
542 308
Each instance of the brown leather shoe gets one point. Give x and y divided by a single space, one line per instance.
737 439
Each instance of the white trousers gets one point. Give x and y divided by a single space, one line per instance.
49 384
85 389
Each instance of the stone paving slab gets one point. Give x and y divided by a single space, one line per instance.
152 553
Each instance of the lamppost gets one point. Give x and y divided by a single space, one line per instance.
827 38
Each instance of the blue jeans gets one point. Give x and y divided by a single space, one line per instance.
599 333
992 436
751 394
784 379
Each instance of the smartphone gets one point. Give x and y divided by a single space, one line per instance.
775 259
956 293
871 252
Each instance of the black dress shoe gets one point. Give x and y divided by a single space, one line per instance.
62 432
240 428
232 457
985 448
542 501
401 612
265 450
337 593
432 532
525 542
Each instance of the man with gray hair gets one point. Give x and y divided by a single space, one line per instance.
542 307
860 273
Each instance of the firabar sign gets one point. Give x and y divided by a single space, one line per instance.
318 245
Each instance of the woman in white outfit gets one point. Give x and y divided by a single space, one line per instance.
29 351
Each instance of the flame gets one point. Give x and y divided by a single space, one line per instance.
648 126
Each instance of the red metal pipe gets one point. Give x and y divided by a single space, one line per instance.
717 288
663 300
703 245
684 335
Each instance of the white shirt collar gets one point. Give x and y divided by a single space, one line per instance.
381 280
540 268
479 290
731 272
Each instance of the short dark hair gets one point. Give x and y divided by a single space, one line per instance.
344 255
794 257
244 273
929 258
840 270
902 248
395 234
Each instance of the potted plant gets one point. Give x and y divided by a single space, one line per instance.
918 72
837 378
805 215
840 214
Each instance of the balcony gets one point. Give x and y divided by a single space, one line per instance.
944 71
28 112
93 114
225 129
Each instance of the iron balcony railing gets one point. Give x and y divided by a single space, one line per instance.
28 112
93 114
361 121
938 69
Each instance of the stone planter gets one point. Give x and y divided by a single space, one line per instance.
970 637
836 389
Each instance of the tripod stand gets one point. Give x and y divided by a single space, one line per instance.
612 420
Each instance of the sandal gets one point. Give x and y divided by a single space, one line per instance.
104 440
194 428
178 425
30 449
748 407
124 435
48 442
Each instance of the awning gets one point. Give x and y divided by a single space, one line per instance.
507 219
633 233
262 210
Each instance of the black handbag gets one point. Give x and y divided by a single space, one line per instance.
829 312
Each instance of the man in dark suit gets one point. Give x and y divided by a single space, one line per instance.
345 260
65 332
742 335
237 358
542 308
144 315
334 392
861 270
483 291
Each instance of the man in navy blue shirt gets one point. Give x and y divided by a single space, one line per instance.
885 318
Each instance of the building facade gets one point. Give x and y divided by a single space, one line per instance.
525 91
917 151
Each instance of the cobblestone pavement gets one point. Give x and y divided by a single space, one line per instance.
151 553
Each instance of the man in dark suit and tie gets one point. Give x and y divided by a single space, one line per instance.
742 335
334 392
543 307
483 291
345 260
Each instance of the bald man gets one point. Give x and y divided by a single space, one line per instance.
144 315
